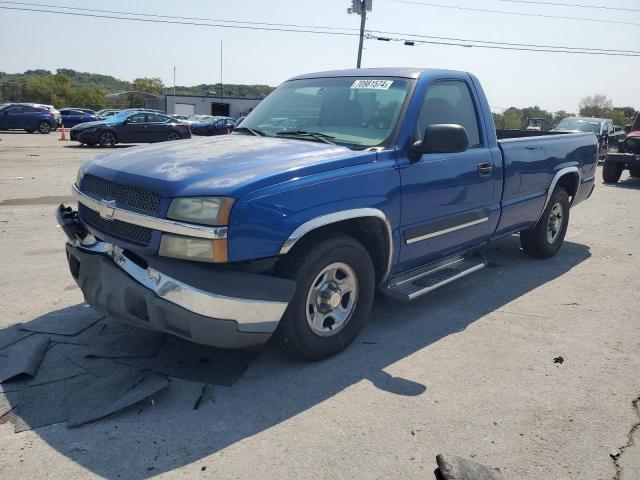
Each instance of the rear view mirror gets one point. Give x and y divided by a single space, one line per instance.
442 138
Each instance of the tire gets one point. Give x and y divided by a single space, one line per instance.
29 130
611 172
44 127
174 136
634 172
107 139
339 311
546 237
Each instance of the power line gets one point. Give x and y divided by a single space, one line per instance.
496 47
172 22
600 7
521 14
416 38
413 35
116 12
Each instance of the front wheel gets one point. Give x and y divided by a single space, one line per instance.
545 239
107 139
44 128
611 172
335 288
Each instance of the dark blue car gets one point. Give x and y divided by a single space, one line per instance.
74 116
29 117
213 126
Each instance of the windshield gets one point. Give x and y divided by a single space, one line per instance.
118 117
577 123
360 112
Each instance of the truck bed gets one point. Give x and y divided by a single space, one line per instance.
515 133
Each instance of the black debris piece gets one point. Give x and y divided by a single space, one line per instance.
198 363
205 394
24 357
558 360
41 405
58 365
451 467
11 335
90 399
67 321
118 340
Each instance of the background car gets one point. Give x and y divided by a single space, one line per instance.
130 127
213 126
603 128
183 118
72 117
29 117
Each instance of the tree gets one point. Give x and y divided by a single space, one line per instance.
148 85
597 105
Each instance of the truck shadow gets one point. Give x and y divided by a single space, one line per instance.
274 389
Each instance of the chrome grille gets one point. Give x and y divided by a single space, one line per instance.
116 228
136 199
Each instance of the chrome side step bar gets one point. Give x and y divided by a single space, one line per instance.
435 275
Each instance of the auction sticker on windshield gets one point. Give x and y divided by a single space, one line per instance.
372 84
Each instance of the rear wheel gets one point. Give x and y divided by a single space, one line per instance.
611 172
545 239
335 288
174 136
107 139
44 127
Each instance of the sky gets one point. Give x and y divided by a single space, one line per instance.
127 49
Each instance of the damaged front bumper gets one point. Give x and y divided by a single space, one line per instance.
224 308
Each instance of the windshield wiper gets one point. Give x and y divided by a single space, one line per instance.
252 131
303 133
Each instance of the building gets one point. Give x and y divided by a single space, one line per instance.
185 104
209 105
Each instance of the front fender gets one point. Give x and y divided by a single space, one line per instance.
263 223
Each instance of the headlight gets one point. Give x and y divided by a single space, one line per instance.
204 210
79 176
196 249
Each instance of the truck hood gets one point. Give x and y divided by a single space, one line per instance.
229 165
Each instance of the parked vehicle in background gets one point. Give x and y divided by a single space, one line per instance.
30 117
213 126
184 118
535 124
130 127
386 179
602 128
627 157
72 117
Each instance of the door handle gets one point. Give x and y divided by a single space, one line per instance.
484 169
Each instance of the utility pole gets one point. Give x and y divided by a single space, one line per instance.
361 7
220 68
174 90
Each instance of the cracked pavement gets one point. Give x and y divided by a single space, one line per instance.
468 370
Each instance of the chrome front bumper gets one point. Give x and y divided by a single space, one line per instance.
120 285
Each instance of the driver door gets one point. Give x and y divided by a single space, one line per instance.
135 130
446 197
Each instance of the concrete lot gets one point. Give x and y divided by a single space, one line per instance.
468 370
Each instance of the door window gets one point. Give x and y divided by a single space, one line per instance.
16 109
137 118
155 118
449 101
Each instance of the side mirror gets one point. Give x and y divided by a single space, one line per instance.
441 138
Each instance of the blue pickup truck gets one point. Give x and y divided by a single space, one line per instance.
337 186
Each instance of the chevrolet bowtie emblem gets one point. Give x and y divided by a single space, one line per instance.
106 209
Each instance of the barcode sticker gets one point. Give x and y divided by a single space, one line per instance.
372 84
